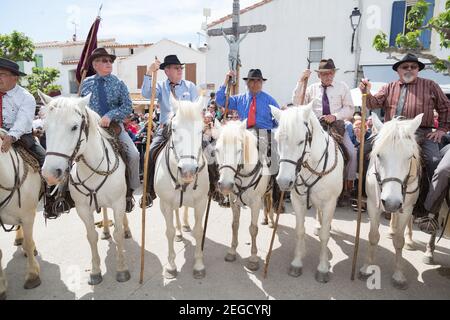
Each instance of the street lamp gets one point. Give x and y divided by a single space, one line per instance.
355 19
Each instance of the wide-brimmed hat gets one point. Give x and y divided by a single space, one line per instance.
409 58
11 66
326 65
169 60
255 74
101 52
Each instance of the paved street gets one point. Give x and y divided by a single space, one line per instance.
64 258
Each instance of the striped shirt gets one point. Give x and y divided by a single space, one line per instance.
423 96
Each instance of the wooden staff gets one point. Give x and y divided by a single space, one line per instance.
266 266
305 85
360 179
147 156
206 220
227 99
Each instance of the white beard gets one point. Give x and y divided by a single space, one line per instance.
408 78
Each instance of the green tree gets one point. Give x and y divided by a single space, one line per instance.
43 79
410 42
16 46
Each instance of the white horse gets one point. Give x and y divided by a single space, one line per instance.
19 197
97 172
392 185
181 178
244 178
312 167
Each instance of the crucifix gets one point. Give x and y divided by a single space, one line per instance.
234 40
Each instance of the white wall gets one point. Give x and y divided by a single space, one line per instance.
52 58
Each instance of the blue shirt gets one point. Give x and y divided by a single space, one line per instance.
119 101
185 90
241 103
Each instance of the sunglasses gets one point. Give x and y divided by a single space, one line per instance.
177 67
410 66
105 60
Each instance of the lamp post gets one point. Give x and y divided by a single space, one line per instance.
355 19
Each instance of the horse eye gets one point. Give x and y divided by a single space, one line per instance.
74 128
300 143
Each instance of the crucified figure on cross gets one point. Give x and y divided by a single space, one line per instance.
233 56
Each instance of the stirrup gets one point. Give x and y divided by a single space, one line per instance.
149 201
129 204
428 224
59 206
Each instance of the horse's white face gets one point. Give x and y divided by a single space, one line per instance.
62 125
230 153
393 156
187 135
292 137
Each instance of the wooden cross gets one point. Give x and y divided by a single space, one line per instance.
235 31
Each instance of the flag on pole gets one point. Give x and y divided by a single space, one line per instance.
89 46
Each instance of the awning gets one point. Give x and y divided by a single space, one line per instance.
386 74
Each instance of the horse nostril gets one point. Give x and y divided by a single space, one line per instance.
58 173
291 183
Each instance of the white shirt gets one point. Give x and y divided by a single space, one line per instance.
341 103
18 111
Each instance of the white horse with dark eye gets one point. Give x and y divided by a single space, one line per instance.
19 197
392 185
244 178
311 167
181 177
77 145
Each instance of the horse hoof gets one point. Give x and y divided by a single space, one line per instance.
32 283
199 274
106 236
170 274
428 260
18 242
363 276
401 285
271 226
230 257
295 271
123 276
252 265
410 246
316 231
322 277
95 279
2 296
187 229
178 238
390 235
264 222
127 234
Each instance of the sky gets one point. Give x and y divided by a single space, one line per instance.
128 21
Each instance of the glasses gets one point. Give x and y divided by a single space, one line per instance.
178 67
104 60
410 66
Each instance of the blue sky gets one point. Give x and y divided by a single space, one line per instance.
127 21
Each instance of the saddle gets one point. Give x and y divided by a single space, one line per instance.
337 131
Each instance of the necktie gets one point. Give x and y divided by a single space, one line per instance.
102 98
251 120
325 103
1 109
401 100
172 89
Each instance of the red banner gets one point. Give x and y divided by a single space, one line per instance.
89 46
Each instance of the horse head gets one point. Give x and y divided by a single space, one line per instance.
395 158
187 135
66 125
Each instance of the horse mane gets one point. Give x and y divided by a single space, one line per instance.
3 133
292 119
232 131
188 110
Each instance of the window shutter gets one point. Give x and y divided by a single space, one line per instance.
39 60
397 21
141 70
425 37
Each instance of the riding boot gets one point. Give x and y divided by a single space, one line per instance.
276 196
56 203
129 201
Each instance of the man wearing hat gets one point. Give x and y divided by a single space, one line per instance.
408 97
111 100
333 104
254 105
181 89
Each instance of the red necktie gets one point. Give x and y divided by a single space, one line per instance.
251 120
1 108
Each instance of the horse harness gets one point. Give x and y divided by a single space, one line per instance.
301 163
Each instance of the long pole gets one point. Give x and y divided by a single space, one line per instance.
305 85
147 156
206 221
266 266
227 99
360 181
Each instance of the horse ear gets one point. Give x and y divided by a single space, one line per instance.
173 103
83 102
415 123
308 109
244 124
276 113
45 98
201 102
377 122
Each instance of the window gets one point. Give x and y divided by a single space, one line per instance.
131 51
39 60
73 83
315 49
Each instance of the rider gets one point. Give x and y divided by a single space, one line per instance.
255 107
111 100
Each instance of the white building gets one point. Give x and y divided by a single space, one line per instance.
301 29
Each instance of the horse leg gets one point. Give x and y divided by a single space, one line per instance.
231 254
409 243
392 226
178 233
253 261
296 267
32 279
270 210
106 233
3 282
19 237
199 268
374 238
186 227
86 215
170 272
327 213
398 278
122 274
318 222
126 228
428 258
